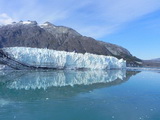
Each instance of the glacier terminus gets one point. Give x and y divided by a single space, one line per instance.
27 57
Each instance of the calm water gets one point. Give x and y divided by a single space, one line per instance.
80 95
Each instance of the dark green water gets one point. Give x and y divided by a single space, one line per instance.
79 95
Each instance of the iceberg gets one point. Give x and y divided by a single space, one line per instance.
4 102
59 78
47 58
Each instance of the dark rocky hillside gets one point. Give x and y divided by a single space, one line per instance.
30 34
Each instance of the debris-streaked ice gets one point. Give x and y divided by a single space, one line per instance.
63 60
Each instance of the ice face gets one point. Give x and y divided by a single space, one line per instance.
4 67
43 80
62 59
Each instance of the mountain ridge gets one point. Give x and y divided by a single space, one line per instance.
47 35
151 63
156 59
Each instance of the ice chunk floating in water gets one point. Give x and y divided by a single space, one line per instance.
63 60
42 80
4 102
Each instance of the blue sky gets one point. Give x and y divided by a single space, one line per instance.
133 24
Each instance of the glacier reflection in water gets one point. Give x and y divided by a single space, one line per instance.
42 79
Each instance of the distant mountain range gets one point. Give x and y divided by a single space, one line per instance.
157 59
47 35
152 63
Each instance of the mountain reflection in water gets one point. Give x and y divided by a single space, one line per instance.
44 80
57 84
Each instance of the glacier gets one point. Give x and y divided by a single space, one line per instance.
59 78
4 67
42 57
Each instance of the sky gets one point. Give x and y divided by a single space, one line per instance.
132 24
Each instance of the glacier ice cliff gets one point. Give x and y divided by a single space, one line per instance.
45 58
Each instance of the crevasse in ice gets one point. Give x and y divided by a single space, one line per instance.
63 60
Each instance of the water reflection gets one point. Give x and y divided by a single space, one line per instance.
43 80
123 98
29 85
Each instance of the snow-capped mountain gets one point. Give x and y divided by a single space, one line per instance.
47 35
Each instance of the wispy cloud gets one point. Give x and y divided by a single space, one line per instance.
90 17
99 19
5 19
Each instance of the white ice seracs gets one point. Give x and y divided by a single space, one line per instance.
62 59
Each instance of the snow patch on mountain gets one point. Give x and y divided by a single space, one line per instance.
26 22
